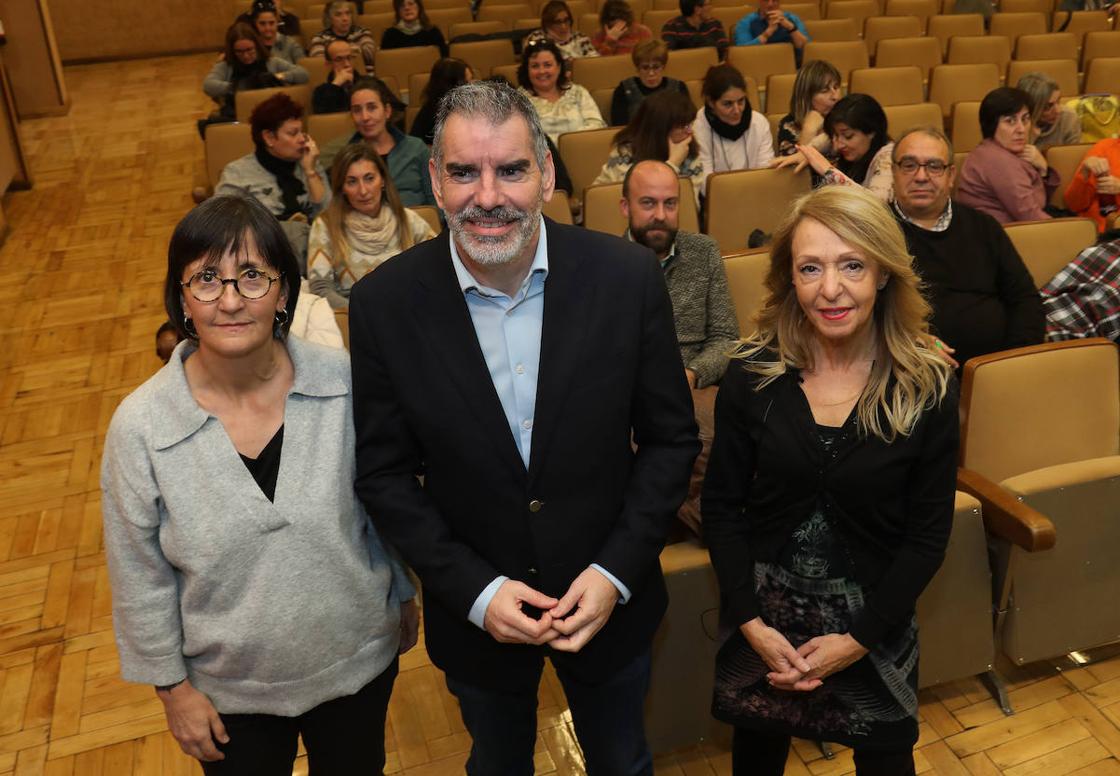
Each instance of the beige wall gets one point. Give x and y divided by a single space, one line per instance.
118 29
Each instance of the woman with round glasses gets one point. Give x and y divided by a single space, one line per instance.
559 26
249 586
650 58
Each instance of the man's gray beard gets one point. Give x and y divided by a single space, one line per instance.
495 250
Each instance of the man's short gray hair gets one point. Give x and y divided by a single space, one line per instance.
495 101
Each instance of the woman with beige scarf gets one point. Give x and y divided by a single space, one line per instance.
364 226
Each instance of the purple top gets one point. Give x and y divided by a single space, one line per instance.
1006 187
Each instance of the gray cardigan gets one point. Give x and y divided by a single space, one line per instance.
702 310
267 607
219 81
246 177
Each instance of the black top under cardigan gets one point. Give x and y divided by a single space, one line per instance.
395 38
893 503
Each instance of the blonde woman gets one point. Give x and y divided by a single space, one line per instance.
815 90
364 226
829 493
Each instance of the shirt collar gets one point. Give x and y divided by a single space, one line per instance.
940 225
467 281
665 262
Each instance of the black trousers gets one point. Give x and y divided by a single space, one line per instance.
342 736
761 754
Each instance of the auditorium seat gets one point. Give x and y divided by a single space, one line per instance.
1052 45
978 49
945 26
1100 44
903 117
760 62
1080 23
430 214
403 62
879 28
1040 449
444 18
769 193
584 154
602 72
889 85
923 9
1012 25
824 30
1103 75
858 10
484 55
950 84
1065 160
1048 245
846 56
325 127
476 28
1064 71
244 102
746 275
966 133
1026 6
223 144
690 64
779 92
559 208
924 53
506 13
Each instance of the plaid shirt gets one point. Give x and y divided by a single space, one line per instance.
1083 300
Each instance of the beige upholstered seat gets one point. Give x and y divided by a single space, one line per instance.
224 143
889 85
746 273
803 11
655 19
924 53
601 211
691 64
602 72
1040 448
1052 45
879 28
769 193
1064 160
584 154
923 9
244 102
976 49
1103 75
1026 6
477 28
846 56
506 12
1012 25
1080 23
950 84
903 117
1049 245
779 92
824 30
1064 71
429 214
966 133
325 127
559 208
760 62
402 63
446 18
945 26
484 55
857 10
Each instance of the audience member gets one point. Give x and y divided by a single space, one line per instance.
554 430
660 130
1005 176
770 24
266 21
338 24
815 90
167 337
695 28
287 23
283 172
649 57
558 26
372 104
1094 190
412 28
314 320
244 66
364 225
702 311
1053 123
729 133
333 95
982 295
858 128
1083 299
618 32
227 491
446 74
828 500
562 106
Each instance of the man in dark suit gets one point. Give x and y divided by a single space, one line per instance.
530 372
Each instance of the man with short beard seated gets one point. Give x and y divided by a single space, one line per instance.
707 328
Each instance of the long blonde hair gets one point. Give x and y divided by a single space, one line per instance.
907 377
335 214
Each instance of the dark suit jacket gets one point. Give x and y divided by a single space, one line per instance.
424 403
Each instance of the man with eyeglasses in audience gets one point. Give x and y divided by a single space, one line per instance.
695 28
333 96
983 297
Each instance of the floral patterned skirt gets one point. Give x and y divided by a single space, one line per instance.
872 704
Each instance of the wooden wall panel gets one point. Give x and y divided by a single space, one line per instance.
121 29
32 59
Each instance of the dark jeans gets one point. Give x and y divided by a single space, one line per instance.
342 736
607 718
760 754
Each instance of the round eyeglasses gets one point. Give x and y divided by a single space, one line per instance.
251 283
935 168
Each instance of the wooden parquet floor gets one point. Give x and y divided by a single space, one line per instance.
80 300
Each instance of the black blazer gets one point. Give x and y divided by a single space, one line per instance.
424 404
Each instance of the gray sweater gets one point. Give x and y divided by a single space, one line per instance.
702 310
267 607
246 177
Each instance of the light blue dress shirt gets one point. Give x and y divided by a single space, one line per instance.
509 333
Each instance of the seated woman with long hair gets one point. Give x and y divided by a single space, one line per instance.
730 134
446 74
828 500
266 21
559 26
857 127
364 226
1054 123
815 90
246 65
562 106
412 28
338 24
661 130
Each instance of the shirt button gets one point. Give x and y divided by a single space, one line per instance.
535 506
527 424
533 571
520 369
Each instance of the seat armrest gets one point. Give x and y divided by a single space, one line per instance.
1006 516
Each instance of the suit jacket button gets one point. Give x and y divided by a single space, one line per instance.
535 506
533 571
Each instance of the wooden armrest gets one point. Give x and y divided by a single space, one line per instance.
1006 516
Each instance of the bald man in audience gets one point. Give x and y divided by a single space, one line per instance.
707 328
983 296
